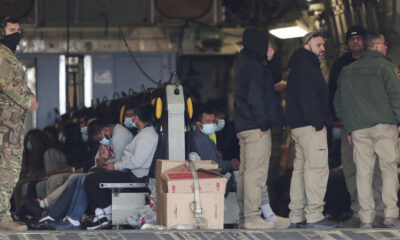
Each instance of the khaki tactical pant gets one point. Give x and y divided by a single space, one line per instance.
255 151
11 145
310 175
380 140
349 172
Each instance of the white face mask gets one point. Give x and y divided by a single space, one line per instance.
220 125
209 129
128 123
105 141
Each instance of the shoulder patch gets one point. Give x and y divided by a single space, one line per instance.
397 72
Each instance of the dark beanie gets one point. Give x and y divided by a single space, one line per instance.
256 41
355 30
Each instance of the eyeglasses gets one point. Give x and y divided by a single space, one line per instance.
314 35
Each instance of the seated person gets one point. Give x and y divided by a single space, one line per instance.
74 150
118 137
227 141
40 159
200 142
88 151
134 166
128 114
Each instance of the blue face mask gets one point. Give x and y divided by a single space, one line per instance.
105 141
220 125
61 138
336 133
209 129
85 135
29 146
128 123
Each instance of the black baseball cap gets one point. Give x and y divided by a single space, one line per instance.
355 30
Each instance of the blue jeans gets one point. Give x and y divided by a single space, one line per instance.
72 202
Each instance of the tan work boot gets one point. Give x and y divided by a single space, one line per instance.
12 226
281 222
259 223
366 225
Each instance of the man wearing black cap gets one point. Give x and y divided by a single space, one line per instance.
257 110
354 37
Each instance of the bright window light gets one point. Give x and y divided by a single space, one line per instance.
87 67
288 32
62 84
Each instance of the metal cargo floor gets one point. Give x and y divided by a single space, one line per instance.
304 234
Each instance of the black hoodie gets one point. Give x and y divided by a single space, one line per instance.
306 92
257 106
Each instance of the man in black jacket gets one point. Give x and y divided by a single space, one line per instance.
307 112
257 110
354 38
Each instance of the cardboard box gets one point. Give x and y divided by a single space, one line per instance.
181 181
175 193
165 165
174 209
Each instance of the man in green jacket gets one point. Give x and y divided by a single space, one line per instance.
367 102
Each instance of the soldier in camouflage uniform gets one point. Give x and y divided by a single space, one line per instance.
15 99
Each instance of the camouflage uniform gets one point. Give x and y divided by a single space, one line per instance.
14 101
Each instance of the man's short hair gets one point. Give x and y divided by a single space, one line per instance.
200 109
97 126
130 104
218 106
144 112
371 38
307 38
4 21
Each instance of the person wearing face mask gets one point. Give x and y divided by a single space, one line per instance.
206 124
84 130
113 139
257 110
227 142
133 167
129 116
368 104
128 119
16 98
307 113
114 136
